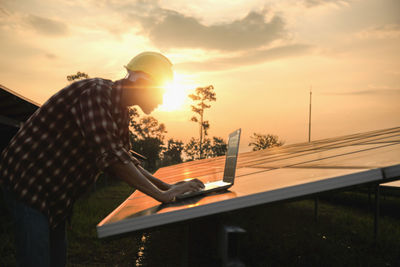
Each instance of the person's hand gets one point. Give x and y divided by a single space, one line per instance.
178 183
195 184
181 188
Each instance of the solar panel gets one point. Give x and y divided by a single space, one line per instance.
395 184
14 110
267 176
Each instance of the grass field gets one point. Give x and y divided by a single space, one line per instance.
283 234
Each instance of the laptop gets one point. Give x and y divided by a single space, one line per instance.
229 170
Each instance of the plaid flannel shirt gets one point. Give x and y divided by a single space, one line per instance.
56 154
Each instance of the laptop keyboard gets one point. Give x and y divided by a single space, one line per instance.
212 185
207 187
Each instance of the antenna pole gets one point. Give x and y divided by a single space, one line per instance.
309 117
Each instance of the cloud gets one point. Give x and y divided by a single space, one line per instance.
315 3
254 38
388 31
4 12
382 91
246 58
176 30
168 29
47 26
50 55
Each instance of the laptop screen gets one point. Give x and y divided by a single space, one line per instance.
231 156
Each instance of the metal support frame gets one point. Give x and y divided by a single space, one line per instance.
229 248
9 121
376 212
226 245
316 200
369 195
186 244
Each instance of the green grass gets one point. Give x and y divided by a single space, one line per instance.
342 236
283 234
287 234
85 249
7 252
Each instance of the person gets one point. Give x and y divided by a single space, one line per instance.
57 152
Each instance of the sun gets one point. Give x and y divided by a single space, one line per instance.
176 93
174 97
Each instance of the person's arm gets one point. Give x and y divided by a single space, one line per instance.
157 182
135 178
93 114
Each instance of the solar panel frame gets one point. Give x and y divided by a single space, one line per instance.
256 178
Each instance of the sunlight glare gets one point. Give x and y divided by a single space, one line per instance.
175 94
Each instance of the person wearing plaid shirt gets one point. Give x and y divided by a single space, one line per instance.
56 155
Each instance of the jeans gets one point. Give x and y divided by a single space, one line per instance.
36 243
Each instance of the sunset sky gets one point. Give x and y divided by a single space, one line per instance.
262 57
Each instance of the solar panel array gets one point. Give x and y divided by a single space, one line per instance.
395 185
267 176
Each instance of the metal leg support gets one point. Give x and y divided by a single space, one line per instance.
377 210
369 195
316 209
186 244
229 246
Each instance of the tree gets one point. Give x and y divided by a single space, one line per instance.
212 149
202 98
78 76
146 126
147 137
218 147
173 152
192 149
150 148
263 141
